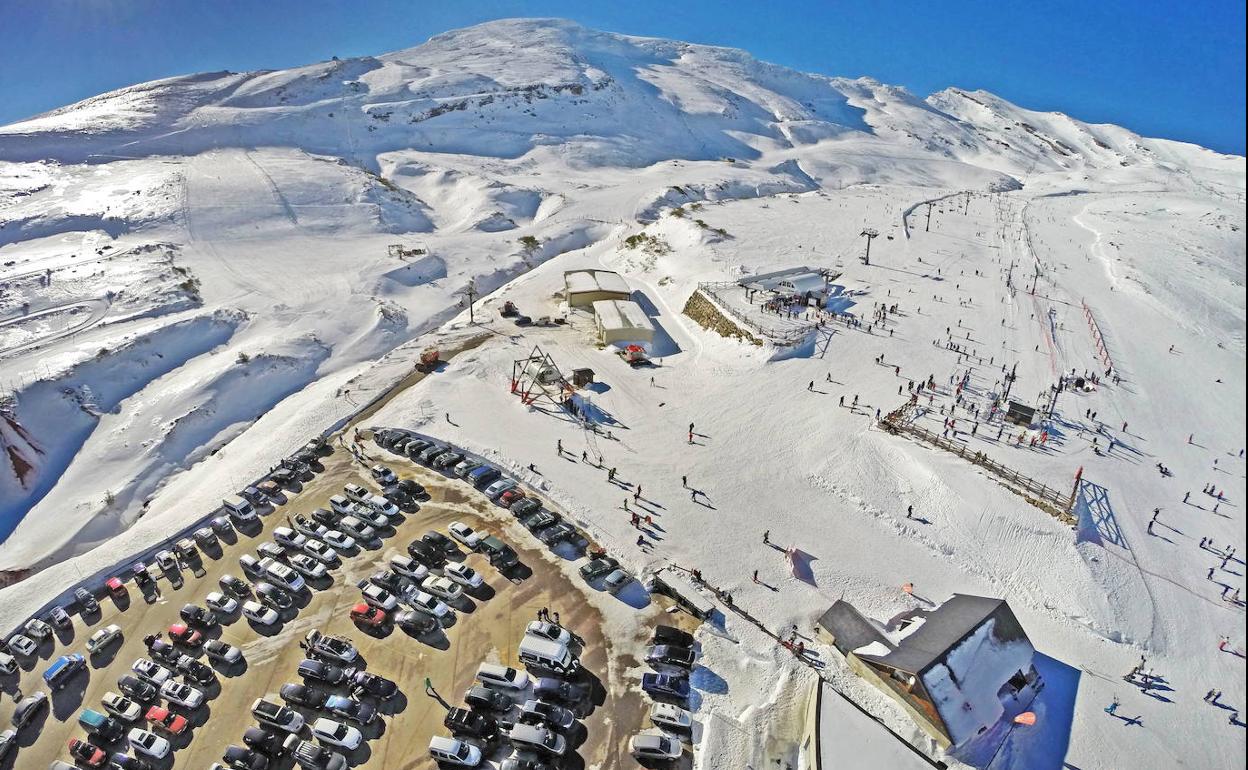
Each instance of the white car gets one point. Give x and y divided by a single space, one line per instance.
454 751
409 567
152 671
499 487
441 587
384 475
23 645
463 574
430 605
282 574
365 513
383 506
337 734
102 638
307 566
356 492
353 526
121 707
182 694
37 629
654 746
340 504
221 604
464 534
148 743
377 596
335 539
669 716
289 538
322 552
258 613
543 630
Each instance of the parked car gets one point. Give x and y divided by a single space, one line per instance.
151 671
411 488
308 567
464 534
198 616
428 555
310 756
654 746
484 475
379 597
267 742
383 475
182 694
242 758
538 712
498 487
494 675
671 635
537 738
58 617
258 613
271 714
185 635
121 707
63 670
161 650
525 506
616 581
451 751
166 720
270 550
28 708
87 604
427 603
408 567
559 690
435 539
416 622
669 655
675 686
22 645
138 689
368 616
511 496
354 710
540 520
463 574
545 630
221 525
87 753
322 551
367 683
442 587
596 568
447 460
557 533
222 652
337 733
38 630
289 539
205 537
461 721
303 695
481 697
221 604
464 467
390 581
320 671
671 717
501 555
282 575
103 638
325 517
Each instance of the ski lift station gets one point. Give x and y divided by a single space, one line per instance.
622 321
803 281
582 288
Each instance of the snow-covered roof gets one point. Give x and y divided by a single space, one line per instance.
849 739
589 281
622 315
795 279
940 631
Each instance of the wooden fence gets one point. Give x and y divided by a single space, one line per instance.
1052 501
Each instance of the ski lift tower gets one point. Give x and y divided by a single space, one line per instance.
536 376
870 233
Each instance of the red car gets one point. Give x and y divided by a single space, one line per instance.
87 753
367 615
166 720
509 497
116 587
184 634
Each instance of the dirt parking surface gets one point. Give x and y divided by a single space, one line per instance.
487 628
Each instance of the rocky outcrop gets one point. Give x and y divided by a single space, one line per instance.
709 317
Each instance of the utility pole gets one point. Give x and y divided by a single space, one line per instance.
928 227
470 291
1034 279
870 233
1009 383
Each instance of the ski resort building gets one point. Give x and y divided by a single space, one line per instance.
803 281
622 321
583 288
958 669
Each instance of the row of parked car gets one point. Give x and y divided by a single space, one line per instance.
671 654
335 686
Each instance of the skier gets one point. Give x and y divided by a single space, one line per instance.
684 481
637 493
755 576
559 447
909 511
766 537
1113 707
811 385
1186 495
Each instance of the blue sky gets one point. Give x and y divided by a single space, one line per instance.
1171 69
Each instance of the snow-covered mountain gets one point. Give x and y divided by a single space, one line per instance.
551 90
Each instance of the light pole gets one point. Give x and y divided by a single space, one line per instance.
870 233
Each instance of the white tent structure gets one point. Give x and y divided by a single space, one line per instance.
583 288
621 321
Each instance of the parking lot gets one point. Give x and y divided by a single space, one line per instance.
487 628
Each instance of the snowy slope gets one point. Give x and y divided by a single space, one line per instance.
195 276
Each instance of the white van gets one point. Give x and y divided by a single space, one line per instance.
547 654
494 675
238 509
454 752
